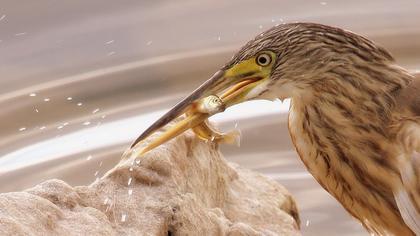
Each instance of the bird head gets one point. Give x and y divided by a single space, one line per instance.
285 61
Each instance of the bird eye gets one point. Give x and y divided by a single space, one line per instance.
264 59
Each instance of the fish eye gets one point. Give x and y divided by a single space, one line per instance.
264 59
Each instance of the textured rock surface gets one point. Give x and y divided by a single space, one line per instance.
184 187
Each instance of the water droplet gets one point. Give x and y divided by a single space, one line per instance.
110 41
236 125
131 169
95 111
100 163
272 20
89 157
66 123
60 127
86 123
130 192
32 94
281 19
79 104
20 34
260 26
36 110
137 161
307 223
123 217
22 129
2 17
42 127
149 43
96 173
323 3
219 38
106 201
47 99
103 117
69 98
111 53
212 138
129 181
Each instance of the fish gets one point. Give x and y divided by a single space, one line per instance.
197 118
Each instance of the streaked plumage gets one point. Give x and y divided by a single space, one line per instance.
354 117
347 94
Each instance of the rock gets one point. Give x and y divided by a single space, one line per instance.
184 187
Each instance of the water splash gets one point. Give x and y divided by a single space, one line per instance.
20 34
106 201
109 203
123 217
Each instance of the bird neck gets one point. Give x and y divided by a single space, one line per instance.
341 121
354 93
339 130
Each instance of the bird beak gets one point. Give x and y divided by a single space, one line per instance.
230 86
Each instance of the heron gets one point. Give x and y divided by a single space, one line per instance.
354 116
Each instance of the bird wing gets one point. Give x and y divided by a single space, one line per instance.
407 196
407 133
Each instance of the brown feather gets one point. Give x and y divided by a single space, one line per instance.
347 93
408 99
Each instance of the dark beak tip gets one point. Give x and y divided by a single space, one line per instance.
179 108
